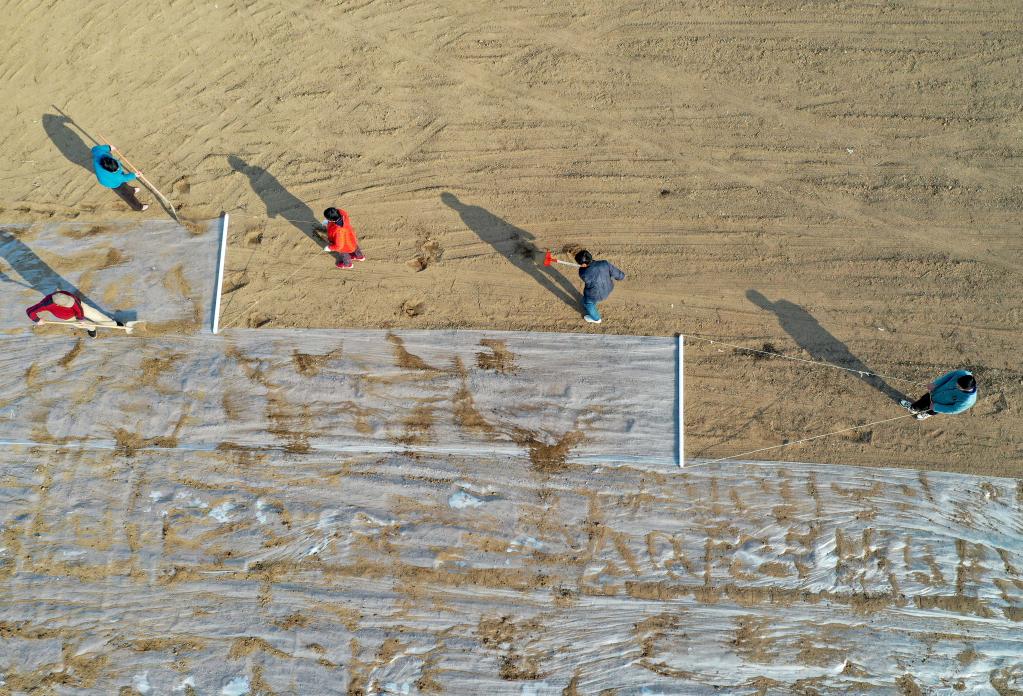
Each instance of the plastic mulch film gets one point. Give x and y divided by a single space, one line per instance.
441 512
546 395
476 574
154 271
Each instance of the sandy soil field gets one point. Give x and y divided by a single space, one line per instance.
838 183
370 512
842 182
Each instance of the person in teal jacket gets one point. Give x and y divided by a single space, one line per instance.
953 392
111 174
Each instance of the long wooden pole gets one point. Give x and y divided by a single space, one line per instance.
144 180
91 325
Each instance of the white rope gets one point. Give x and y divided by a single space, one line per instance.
282 283
264 216
861 373
815 437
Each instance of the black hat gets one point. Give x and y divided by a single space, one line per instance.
967 383
332 214
109 163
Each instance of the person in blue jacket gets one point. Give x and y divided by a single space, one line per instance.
112 175
953 392
598 280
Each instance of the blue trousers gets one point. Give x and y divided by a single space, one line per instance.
590 309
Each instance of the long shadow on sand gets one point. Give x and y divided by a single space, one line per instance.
517 246
37 274
278 200
815 340
67 141
76 150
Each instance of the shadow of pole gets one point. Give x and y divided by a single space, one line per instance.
278 200
516 245
818 342
171 213
75 124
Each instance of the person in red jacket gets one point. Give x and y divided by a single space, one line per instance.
67 306
341 238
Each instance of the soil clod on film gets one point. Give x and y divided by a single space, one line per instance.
547 458
405 359
499 359
309 365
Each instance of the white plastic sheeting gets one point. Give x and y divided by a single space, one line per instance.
351 391
154 270
355 391
318 512
320 573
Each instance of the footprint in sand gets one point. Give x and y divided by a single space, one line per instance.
181 186
428 251
413 308
236 281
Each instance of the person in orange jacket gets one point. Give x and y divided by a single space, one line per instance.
341 238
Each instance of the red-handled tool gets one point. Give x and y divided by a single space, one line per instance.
550 258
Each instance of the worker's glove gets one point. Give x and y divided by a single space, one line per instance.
326 248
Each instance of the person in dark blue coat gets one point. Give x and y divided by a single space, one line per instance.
953 392
598 279
111 174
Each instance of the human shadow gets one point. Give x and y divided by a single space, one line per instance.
76 150
516 245
278 200
821 345
67 141
37 274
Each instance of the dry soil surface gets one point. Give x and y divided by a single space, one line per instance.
840 181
